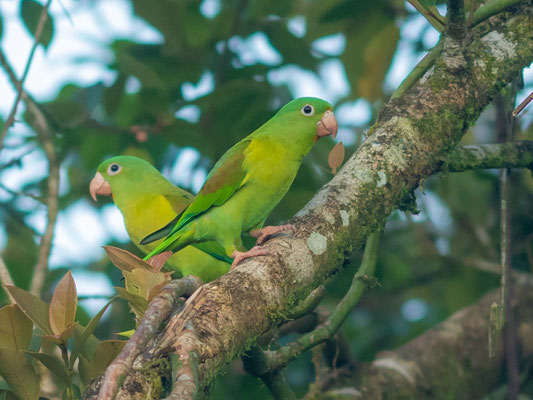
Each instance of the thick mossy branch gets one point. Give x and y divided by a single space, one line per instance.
485 156
457 367
157 312
413 135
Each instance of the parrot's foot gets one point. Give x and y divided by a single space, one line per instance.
267 232
238 256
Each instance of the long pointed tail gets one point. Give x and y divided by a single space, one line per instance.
174 242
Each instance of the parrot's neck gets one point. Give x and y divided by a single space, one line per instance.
296 145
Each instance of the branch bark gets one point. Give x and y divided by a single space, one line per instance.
485 156
407 144
458 365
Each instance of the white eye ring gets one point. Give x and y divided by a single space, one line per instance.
113 169
308 110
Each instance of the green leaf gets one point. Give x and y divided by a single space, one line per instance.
63 305
140 282
126 334
71 392
15 329
87 331
106 352
124 260
19 374
90 344
62 337
138 305
54 364
87 370
30 12
34 308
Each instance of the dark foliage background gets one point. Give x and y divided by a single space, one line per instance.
429 264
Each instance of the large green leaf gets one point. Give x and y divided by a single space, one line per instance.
34 308
125 261
19 374
106 352
87 370
52 363
63 305
87 331
15 329
31 11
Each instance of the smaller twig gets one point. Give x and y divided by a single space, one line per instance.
364 278
453 51
517 154
157 312
11 117
45 135
254 361
17 160
5 277
456 20
308 304
490 9
507 316
418 71
522 105
16 193
186 372
432 15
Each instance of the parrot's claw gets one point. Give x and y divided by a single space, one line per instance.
238 256
267 232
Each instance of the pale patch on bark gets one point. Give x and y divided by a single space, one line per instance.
345 217
382 179
499 46
405 369
317 243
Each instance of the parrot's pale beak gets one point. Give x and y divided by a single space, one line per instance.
327 125
99 186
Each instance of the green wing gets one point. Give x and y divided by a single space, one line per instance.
179 199
225 178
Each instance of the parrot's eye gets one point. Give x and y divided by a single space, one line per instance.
114 169
308 110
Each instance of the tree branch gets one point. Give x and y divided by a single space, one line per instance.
458 354
406 145
485 156
19 87
492 8
158 310
45 134
278 359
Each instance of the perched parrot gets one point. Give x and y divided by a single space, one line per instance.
248 181
148 201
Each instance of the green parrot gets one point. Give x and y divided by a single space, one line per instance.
248 181
147 201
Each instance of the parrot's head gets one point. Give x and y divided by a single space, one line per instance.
119 174
308 117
